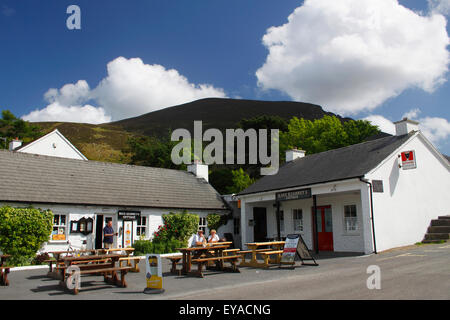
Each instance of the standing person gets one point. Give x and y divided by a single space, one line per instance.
198 239
108 233
213 237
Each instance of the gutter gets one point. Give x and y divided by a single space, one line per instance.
371 212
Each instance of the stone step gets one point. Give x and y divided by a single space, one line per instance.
440 222
439 229
434 241
437 236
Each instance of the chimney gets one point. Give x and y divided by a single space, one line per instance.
405 126
198 169
16 143
293 154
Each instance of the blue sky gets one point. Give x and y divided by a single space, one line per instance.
218 43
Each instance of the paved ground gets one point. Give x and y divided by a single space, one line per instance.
418 272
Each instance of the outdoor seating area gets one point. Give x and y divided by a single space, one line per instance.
214 256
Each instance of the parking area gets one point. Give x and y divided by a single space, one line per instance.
416 272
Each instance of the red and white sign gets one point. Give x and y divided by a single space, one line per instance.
408 160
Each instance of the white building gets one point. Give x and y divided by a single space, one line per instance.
367 197
52 144
84 195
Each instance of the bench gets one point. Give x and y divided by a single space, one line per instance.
174 260
243 253
104 270
202 261
4 276
266 255
128 259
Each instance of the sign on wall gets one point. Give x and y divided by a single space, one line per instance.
293 194
129 215
377 186
408 160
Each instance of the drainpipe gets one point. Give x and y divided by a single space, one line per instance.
371 212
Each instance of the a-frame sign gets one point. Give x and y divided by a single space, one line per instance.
295 246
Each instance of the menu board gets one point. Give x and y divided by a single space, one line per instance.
295 245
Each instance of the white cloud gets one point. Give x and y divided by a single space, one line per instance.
57 112
436 129
352 55
439 6
131 88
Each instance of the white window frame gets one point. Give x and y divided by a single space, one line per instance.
140 227
65 226
355 219
301 224
203 224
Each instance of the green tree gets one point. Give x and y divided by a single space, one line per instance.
23 231
241 180
12 127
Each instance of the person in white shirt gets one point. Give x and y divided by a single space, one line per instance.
213 237
198 239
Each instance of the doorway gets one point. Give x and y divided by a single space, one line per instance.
259 224
324 228
101 222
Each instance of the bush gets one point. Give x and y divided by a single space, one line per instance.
142 247
178 226
23 231
40 258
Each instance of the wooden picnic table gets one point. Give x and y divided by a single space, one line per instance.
57 257
201 255
128 251
274 248
4 270
108 267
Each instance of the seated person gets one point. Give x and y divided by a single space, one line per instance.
213 236
198 239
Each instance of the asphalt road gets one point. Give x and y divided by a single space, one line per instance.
417 272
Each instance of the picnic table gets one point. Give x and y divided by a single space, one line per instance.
108 267
58 255
128 251
266 249
202 255
4 270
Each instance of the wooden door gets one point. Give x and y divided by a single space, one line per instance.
259 224
324 228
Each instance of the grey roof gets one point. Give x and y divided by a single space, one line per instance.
333 165
447 157
34 178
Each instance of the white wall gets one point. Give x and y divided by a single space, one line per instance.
411 198
73 212
55 145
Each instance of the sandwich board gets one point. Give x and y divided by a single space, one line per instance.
295 246
153 274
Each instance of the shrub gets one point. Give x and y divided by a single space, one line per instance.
142 247
215 221
178 226
23 231
40 258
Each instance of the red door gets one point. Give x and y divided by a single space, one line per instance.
324 228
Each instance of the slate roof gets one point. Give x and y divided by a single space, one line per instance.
34 178
339 164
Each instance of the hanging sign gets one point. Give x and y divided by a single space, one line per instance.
293 194
408 160
153 274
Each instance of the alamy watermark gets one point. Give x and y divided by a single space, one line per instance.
374 280
235 147
73 22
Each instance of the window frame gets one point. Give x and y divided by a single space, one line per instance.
140 226
58 226
355 218
302 225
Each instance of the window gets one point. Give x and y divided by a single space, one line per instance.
59 227
202 224
350 218
141 228
297 215
281 221
236 225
